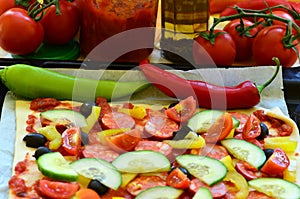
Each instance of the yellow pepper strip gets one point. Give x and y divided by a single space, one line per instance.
290 174
227 161
52 135
92 119
231 134
191 141
109 132
239 182
126 178
285 143
137 112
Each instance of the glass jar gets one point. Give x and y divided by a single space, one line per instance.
181 21
103 19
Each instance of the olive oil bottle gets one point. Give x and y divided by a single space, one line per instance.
181 20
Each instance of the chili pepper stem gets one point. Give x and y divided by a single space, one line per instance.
260 88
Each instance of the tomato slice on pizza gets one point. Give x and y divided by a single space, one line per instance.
75 150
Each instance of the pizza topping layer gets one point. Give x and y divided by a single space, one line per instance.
143 151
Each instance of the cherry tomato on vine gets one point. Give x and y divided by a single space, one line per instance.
268 44
221 52
19 33
242 36
61 28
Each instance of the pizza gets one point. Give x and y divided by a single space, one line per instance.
67 149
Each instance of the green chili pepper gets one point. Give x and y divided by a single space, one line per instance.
35 82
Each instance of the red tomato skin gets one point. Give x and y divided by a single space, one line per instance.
178 179
57 190
222 52
243 43
61 29
72 140
6 5
182 111
220 129
252 128
15 21
276 163
272 37
124 142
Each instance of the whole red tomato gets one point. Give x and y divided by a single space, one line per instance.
278 13
268 44
242 37
19 33
221 49
61 28
5 5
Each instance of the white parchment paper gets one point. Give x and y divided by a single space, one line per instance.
271 97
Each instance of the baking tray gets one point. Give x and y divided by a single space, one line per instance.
291 77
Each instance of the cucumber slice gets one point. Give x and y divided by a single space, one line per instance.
276 187
158 192
208 170
64 114
55 166
101 170
245 151
143 161
203 120
204 193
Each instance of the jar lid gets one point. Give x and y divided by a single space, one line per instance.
69 51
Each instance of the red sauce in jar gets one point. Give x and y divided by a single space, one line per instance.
102 19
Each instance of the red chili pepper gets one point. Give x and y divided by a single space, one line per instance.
243 95
258 5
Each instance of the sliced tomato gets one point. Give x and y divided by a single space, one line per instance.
72 140
57 190
252 128
141 183
276 163
218 190
248 171
124 142
242 118
178 179
220 129
182 111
